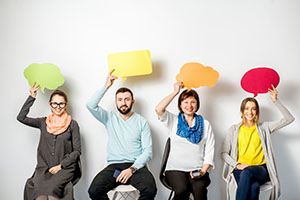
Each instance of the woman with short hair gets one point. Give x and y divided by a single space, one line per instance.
192 145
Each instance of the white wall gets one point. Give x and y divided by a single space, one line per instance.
232 36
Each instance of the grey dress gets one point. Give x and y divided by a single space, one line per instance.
64 149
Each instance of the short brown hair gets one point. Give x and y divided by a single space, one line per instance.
243 106
60 93
185 94
124 89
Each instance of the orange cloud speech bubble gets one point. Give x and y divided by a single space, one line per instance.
194 75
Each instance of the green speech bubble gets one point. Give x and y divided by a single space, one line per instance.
45 75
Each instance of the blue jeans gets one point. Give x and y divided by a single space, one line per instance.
249 181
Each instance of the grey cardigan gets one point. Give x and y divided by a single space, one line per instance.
230 151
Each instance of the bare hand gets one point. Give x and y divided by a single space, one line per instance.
124 176
273 93
202 172
177 86
55 169
33 90
110 79
242 166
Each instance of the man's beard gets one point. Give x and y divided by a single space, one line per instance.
124 112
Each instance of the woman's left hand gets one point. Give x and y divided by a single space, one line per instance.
273 93
55 169
202 173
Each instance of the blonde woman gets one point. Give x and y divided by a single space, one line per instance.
247 150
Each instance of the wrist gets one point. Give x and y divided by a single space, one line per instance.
133 169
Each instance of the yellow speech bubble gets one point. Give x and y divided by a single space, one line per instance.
194 75
132 63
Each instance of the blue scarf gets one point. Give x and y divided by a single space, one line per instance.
192 134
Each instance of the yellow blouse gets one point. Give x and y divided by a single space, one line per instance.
250 149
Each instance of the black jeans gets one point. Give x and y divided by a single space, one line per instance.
104 181
183 185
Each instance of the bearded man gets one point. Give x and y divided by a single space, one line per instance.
129 146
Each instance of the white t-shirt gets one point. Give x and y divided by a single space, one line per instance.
184 155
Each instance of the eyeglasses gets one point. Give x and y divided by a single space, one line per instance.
60 105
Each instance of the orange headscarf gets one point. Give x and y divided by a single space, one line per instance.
58 124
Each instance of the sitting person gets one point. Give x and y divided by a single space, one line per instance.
59 149
247 149
129 146
191 148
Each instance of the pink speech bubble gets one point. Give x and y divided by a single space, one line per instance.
259 80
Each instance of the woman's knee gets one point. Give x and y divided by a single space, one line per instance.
255 187
246 174
183 190
95 191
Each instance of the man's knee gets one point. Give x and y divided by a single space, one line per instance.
149 192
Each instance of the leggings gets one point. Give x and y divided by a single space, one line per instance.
45 197
183 185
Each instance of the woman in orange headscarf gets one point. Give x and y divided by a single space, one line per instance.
58 165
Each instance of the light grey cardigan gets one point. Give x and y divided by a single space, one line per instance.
230 151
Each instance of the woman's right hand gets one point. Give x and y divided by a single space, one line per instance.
33 90
242 166
177 86
160 109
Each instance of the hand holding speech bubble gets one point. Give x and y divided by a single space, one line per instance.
45 75
132 63
259 80
196 75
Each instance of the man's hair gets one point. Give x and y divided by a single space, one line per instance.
185 94
124 89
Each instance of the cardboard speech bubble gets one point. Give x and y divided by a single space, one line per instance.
259 80
45 75
194 75
132 63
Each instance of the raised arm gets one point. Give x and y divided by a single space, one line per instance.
22 116
92 104
287 117
160 109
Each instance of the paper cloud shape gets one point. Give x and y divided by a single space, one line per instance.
132 63
45 75
259 80
194 75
